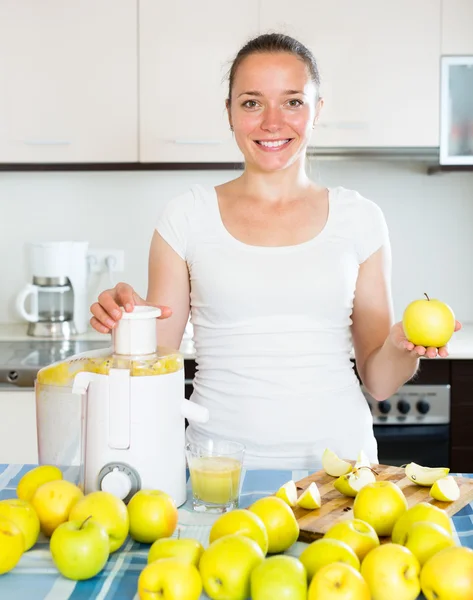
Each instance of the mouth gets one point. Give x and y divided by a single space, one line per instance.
273 145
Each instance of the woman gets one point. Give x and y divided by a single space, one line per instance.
282 276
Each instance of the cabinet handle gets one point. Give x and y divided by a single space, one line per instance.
201 142
47 142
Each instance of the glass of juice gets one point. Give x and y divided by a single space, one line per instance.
215 472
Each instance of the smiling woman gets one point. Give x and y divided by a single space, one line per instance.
282 278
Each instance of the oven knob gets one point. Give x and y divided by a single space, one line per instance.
403 407
384 407
423 407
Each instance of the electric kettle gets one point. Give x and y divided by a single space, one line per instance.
118 415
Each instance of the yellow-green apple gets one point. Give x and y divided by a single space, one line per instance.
106 509
12 545
80 549
423 511
360 536
31 480
241 521
53 501
380 504
391 571
169 579
153 515
425 539
226 566
338 581
185 549
326 551
288 493
333 465
448 575
25 518
425 476
280 522
428 322
279 577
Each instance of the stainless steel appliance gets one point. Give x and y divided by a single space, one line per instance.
413 425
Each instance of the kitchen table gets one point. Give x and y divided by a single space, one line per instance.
36 578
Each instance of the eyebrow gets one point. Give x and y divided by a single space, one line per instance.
259 94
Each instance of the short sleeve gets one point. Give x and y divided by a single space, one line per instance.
372 231
174 223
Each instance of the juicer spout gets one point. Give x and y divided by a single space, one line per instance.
194 412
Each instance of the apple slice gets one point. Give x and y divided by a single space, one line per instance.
425 476
288 493
310 498
445 489
333 465
351 483
362 460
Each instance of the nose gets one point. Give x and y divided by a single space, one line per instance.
272 119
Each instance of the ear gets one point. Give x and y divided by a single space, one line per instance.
318 109
229 113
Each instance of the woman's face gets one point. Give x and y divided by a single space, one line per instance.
273 109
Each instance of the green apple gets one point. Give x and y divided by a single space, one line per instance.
310 498
169 579
185 549
109 511
288 493
428 322
445 489
279 577
425 539
360 536
80 549
326 551
380 504
338 581
153 515
25 518
425 476
423 511
34 478
391 571
12 545
333 465
351 483
448 575
240 521
280 522
226 566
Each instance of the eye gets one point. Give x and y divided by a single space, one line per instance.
295 102
250 104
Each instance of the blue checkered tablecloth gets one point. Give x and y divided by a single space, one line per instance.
36 578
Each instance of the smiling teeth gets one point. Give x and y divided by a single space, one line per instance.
274 144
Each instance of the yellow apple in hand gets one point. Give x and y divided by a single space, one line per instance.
391 571
338 581
53 501
448 575
185 549
280 522
326 551
153 515
12 545
428 322
423 511
241 521
31 480
25 518
426 539
279 577
226 567
169 579
380 504
360 536
80 549
106 509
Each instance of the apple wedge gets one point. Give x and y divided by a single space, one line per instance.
310 498
351 483
445 489
288 493
425 476
333 465
362 460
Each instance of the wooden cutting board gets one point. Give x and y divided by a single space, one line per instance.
336 507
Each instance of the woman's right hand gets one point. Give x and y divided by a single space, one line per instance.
107 310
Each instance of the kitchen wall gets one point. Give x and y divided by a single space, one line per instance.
430 220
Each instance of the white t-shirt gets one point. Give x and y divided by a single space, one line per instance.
272 330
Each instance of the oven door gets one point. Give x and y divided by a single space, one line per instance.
427 445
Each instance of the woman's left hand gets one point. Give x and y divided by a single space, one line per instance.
398 338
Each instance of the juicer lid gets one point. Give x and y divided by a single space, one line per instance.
142 312
136 333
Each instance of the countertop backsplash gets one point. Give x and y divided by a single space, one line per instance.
430 219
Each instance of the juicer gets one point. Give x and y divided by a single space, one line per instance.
119 414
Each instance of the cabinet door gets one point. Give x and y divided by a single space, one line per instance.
379 65
68 81
186 49
18 438
457 27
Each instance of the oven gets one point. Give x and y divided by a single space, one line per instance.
413 425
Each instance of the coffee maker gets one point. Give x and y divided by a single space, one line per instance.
58 292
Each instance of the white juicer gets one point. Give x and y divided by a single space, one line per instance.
132 412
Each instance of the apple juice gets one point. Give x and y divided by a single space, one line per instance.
215 479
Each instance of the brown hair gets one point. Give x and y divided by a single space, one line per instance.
272 43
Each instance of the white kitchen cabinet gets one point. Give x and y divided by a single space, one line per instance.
18 438
185 52
379 64
457 27
68 81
